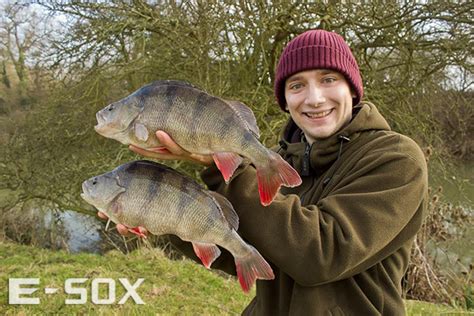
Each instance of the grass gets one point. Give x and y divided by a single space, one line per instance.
170 287
418 308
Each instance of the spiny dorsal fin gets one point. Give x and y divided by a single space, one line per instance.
150 88
246 114
173 83
227 209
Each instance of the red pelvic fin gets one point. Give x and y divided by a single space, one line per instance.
227 162
206 252
251 268
272 176
137 231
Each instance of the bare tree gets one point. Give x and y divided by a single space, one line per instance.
22 36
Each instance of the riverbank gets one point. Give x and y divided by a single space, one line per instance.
169 287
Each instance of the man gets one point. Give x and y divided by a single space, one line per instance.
339 244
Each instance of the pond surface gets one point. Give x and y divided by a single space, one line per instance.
457 183
458 189
82 231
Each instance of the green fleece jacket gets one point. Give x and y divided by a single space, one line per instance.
339 244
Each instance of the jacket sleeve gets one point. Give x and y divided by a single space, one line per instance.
368 215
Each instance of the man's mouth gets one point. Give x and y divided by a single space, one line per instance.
318 114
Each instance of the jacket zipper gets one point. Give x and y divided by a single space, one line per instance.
306 162
305 168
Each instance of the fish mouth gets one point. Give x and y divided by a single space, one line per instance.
99 128
108 127
84 187
100 117
105 129
85 195
101 121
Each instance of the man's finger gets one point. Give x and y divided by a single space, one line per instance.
140 151
102 215
123 230
160 150
166 141
157 153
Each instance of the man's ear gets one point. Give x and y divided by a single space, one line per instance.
286 107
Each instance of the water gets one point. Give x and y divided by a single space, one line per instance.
457 183
458 189
82 231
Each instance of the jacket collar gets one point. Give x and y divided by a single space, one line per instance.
321 154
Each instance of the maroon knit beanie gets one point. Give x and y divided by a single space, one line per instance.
317 49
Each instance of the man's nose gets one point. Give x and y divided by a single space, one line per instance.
314 96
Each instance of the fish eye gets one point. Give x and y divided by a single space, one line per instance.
111 108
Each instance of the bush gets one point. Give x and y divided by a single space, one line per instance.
427 279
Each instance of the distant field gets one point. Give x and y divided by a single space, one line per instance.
170 287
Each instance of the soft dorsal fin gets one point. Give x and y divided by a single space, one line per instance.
246 114
227 209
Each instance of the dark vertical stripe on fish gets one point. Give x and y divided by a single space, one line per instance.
201 101
154 187
229 120
183 203
153 190
167 95
170 94
142 170
247 139
229 128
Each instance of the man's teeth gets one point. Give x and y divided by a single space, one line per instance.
320 114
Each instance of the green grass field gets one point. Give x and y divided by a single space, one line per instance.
170 287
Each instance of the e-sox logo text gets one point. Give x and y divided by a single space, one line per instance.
17 287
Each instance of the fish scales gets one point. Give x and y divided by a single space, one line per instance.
201 124
143 194
196 118
172 193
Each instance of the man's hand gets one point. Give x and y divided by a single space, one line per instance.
171 151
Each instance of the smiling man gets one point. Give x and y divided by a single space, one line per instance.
319 101
340 243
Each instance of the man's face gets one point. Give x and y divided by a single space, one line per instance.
319 101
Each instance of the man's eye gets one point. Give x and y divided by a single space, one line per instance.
329 80
296 86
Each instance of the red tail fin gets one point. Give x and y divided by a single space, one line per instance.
273 175
251 268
